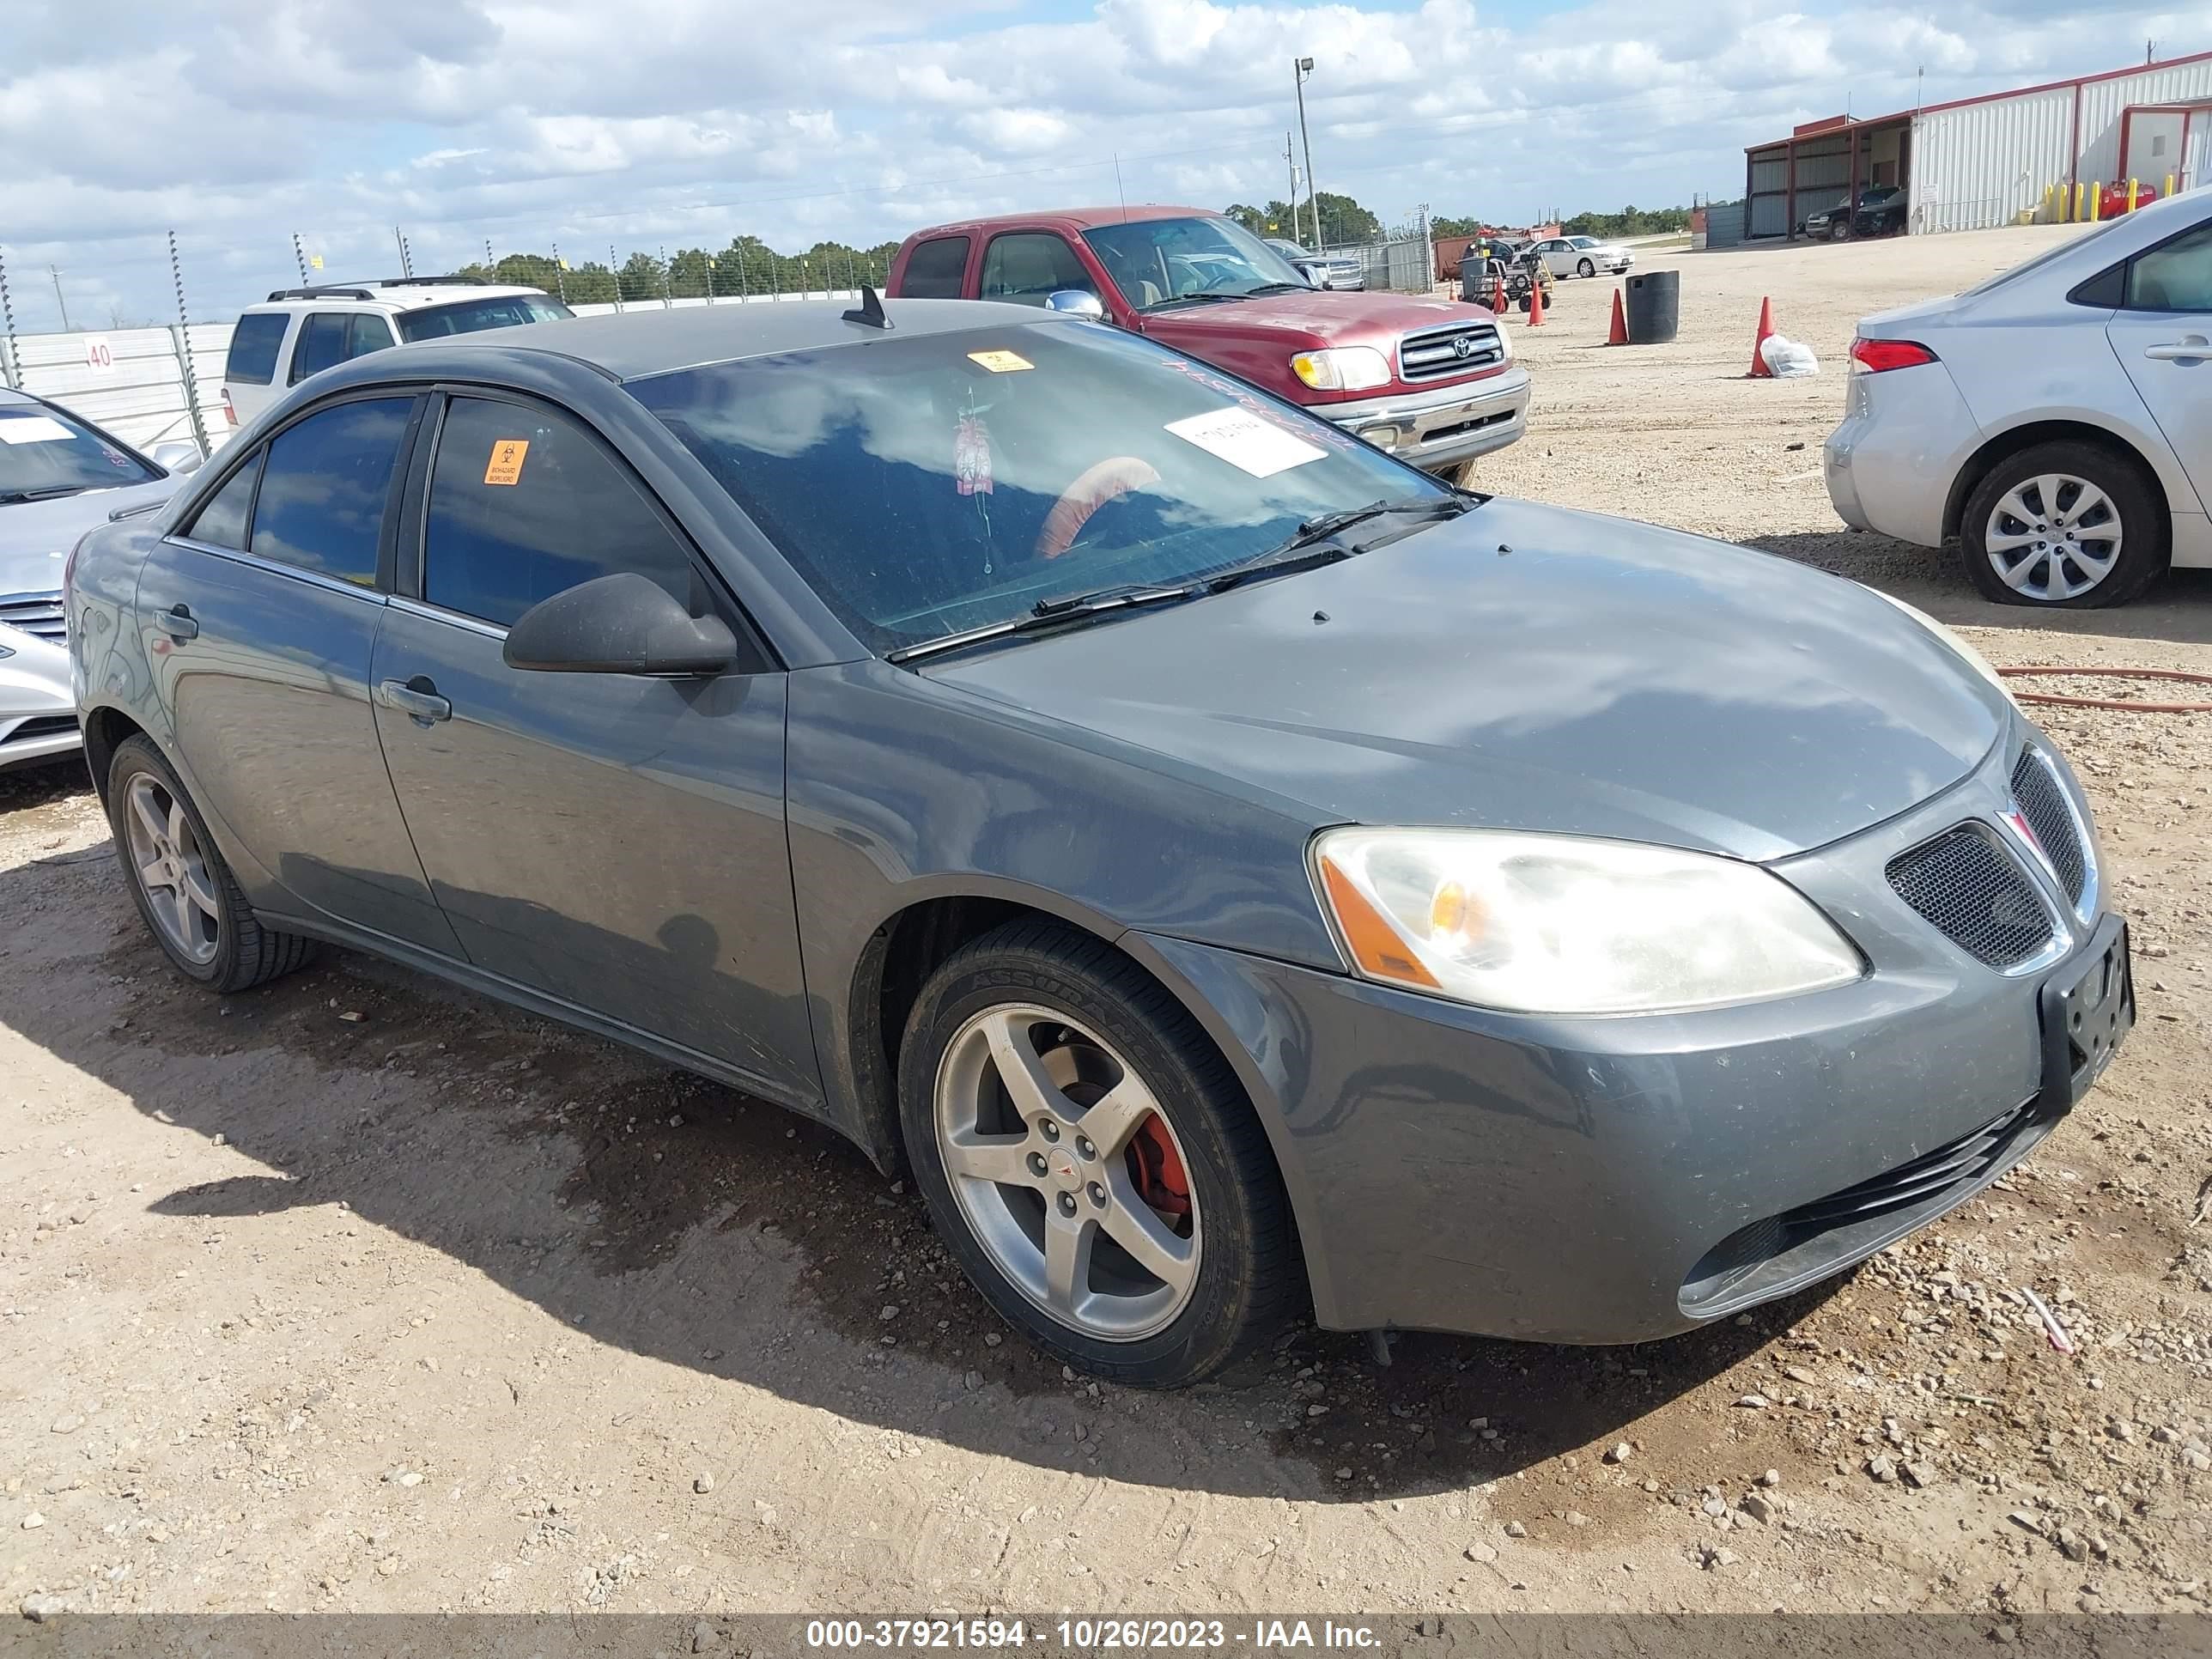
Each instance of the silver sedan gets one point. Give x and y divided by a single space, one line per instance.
2056 420
1583 256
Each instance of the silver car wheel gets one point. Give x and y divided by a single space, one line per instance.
1586 269
1043 1128
2053 536
171 871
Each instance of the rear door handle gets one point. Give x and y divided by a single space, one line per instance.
417 699
177 623
2195 349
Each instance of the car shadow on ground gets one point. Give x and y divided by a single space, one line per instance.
2177 610
655 1210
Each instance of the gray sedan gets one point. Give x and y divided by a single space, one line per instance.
1235 874
59 476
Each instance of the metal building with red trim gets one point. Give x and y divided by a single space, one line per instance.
1974 162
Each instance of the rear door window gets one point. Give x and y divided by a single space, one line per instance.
254 344
324 487
2175 277
525 504
936 269
322 344
370 332
1029 266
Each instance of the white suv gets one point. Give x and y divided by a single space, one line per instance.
300 330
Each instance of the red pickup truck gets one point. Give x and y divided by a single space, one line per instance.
1432 380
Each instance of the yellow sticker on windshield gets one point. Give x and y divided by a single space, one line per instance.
1000 362
505 466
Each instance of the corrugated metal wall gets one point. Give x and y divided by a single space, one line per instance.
1723 224
2102 102
1984 164
133 384
1770 176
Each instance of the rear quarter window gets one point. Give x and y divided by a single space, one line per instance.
935 269
254 344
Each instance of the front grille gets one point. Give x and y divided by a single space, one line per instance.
1435 354
42 725
2035 786
1976 894
34 613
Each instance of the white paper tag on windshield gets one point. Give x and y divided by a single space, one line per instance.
1243 439
33 429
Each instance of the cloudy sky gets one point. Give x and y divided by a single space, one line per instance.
650 123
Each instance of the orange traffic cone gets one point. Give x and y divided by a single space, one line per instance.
1760 371
1497 296
1535 305
1619 333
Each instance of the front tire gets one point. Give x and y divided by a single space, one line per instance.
2070 525
185 894
1089 1160
1840 231
1587 268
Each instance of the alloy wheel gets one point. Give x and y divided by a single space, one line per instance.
1067 1172
172 871
2053 536
1586 269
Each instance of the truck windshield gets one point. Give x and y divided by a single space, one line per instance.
925 485
1159 263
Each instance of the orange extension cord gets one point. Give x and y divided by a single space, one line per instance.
2112 702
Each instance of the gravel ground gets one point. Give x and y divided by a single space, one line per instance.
358 1293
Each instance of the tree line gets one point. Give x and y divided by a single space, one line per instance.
748 266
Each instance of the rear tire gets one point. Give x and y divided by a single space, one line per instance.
2067 526
1017 1042
185 893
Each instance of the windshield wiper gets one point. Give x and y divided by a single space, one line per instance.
51 493
1316 544
1048 614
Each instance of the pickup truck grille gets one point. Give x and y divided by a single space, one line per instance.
1439 353
34 613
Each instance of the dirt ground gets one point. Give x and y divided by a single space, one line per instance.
358 1293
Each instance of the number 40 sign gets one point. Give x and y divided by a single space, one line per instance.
99 356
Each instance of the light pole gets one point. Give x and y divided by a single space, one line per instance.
1303 67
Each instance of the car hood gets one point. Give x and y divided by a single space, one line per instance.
1526 667
35 537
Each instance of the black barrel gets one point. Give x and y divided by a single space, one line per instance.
1655 307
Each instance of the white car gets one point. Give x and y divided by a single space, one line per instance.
297 330
1583 256
2056 420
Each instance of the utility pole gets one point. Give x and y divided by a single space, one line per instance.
1291 156
58 300
1301 68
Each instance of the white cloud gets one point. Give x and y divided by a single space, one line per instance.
675 122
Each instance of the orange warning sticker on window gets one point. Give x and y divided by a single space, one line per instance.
1001 362
505 466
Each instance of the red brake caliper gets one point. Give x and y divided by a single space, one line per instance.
1161 1181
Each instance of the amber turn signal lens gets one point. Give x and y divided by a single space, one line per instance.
1373 944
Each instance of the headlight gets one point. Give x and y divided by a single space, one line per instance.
1342 369
1975 660
1569 924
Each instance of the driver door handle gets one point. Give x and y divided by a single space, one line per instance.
2195 349
177 623
417 699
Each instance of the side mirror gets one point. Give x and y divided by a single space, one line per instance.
619 624
1076 303
178 455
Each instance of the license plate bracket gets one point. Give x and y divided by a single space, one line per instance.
2088 1009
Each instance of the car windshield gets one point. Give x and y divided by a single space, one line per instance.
2070 246
1582 241
46 454
469 316
930 485
1159 263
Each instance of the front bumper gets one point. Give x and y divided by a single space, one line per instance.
1619 1180
38 711
1442 426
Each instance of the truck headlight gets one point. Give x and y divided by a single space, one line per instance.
1342 369
1569 924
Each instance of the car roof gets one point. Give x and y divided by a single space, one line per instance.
10 396
650 340
1077 218
395 296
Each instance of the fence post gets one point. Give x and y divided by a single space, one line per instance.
10 367
180 332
